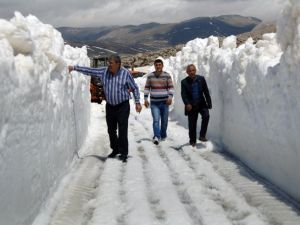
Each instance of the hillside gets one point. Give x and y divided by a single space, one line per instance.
147 58
132 39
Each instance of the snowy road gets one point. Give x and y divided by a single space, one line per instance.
171 183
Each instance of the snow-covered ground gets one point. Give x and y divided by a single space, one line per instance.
172 183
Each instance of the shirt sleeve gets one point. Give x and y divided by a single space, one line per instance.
134 87
206 93
147 88
184 94
170 87
94 72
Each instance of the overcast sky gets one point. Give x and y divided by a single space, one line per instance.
83 13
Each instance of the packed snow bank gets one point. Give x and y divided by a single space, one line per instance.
38 128
255 92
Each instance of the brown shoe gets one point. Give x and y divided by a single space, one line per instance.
203 139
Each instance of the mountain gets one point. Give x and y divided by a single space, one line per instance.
257 32
147 37
147 58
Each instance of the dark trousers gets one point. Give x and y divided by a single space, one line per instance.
117 119
192 119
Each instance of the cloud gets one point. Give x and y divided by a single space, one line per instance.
125 12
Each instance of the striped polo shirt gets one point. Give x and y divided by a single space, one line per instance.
160 87
116 87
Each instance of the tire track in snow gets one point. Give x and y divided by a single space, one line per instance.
71 203
276 207
122 220
108 205
215 197
153 198
143 206
258 193
218 194
176 207
198 212
72 208
200 208
218 189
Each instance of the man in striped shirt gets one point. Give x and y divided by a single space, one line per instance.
160 87
118 83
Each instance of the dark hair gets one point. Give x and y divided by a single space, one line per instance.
158 61
115 58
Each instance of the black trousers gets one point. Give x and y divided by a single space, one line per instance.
117 119
192 119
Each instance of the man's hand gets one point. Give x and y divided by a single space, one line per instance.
138 107
188 107
70 68
169 101
146 103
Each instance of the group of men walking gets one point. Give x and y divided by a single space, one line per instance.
118 84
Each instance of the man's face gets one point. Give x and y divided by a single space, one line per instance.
113 67
158 67
191 71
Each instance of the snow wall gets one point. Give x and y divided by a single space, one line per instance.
38 133
255 91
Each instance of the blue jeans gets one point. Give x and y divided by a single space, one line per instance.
160 114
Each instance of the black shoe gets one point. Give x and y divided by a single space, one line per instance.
203 139
193 144
123 158
112 155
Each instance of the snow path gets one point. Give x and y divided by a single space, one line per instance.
168 184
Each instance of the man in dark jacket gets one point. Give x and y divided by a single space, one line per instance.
196 98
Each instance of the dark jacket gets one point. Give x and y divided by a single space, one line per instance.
186 92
